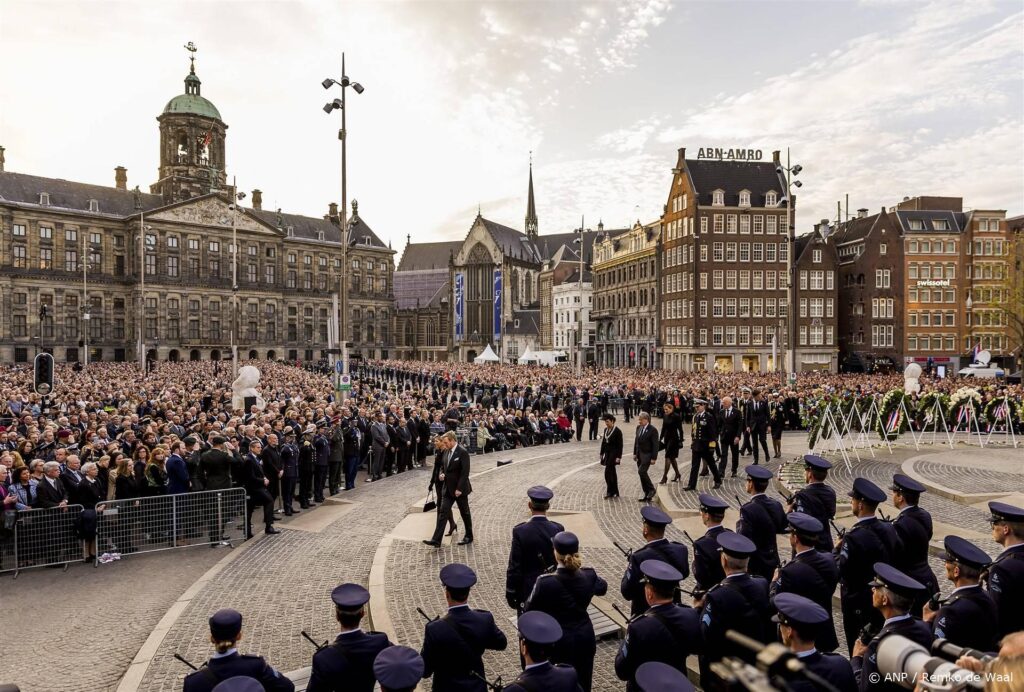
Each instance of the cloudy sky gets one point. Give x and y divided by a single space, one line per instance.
875 99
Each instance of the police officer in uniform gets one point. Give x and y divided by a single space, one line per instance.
538 632
801 623
761 518
892 595
914 527
225 632
565 595
453 645
703 440
307 459
655 676
811 573
398 669
739 602
707 562
816 497
868 541
968 617
290 466
666 632
1006 573
531 554
347 664
657 548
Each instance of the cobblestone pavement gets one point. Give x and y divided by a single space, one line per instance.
79 630
282 583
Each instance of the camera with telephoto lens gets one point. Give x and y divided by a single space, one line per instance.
911 666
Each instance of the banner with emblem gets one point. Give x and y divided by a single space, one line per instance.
497 304
460 305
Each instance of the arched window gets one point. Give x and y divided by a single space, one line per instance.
745 198
771 199
410 335
431 333
181 153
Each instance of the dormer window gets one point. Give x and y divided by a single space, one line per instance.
718 198
744 198
771 199
290 231
44 199
94 205
320 236
940 224
916 225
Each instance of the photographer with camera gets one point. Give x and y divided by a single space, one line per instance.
968 617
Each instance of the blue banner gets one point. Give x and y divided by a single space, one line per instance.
497 305
460 310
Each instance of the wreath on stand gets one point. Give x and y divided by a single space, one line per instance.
892 422
1002 411
960 403
925 413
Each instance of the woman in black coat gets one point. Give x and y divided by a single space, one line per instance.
611 456
90 493
126 490
671 439
565 595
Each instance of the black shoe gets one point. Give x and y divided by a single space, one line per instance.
703 473
432 544
733 474
689 487
608 497
452 530
288 514
718 484
676 479
271 530
663 481
642 499
466 541
248 536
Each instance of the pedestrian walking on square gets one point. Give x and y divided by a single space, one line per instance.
671 439
645 453
453 474
611 456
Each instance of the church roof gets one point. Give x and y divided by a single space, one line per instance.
513 243
22 188
420 288
194 104
428 255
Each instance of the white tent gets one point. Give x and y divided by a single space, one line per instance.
488 356
527 357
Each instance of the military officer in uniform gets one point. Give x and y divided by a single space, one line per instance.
307 460
703 440
868 541
811 573
816 497
761 518
744 404
531 554
225 633
707 561
290 467
801 624
398 669
968 617
453 645
666 632
347 664
658 548
739 602
892 595
565 595
1006 573
914 527
538 632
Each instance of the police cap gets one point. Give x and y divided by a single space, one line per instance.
961 550
540 493
225 624
795 609
735 545
813 461
655 676
889 577
566 543
350 596
711 504
804 524
1004 512
655 516
398 668
239 683
457 576
902 483
758 472
863 489
539 628
658 570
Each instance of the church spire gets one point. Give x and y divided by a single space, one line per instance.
531 208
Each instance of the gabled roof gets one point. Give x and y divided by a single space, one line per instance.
513 243
21 188
428 255
574 278
305 227
421 288
855 229
758 177
528 322
954 221
557 240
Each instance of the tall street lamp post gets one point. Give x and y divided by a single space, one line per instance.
790 172
236 198
339 104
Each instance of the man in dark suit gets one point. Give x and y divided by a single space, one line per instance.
380 441
611 456
802 622
657 548
272 468
453 474
454 644
761 518
531 553
177 471
730 422
593 416
645 453
579 417
334 477
257 495
216 464
757 424
71 476
346 665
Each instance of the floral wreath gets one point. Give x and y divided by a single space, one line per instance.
892 421
926 408
1002 411
961 404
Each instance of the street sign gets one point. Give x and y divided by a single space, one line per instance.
339 366
792 378
345 383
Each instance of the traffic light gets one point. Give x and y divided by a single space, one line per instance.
43 378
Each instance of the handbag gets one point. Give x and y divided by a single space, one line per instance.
430 504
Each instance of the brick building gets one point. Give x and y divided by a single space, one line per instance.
815 295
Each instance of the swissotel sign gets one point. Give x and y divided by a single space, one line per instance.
730 154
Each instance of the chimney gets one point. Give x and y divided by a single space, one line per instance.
776 156
1 159
121 178
332 210
257 200
862 213
681 159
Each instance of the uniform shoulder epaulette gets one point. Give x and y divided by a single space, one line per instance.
522 523
713 588
562 665
546 574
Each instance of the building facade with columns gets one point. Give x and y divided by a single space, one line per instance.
107 271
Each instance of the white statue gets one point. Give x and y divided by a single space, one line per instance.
245 386
910 376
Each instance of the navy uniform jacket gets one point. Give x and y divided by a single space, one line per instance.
1006 586
565 596
223 667
833 667
814 575
632 588
914 527
968 618
546 677
530 540
819 501
865 668
667 633
454 645
707 565
347 664
739 602
323 450
290 460
704 431
760 520
867 542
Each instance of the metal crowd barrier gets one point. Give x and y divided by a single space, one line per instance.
166 522
42 537
467 438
